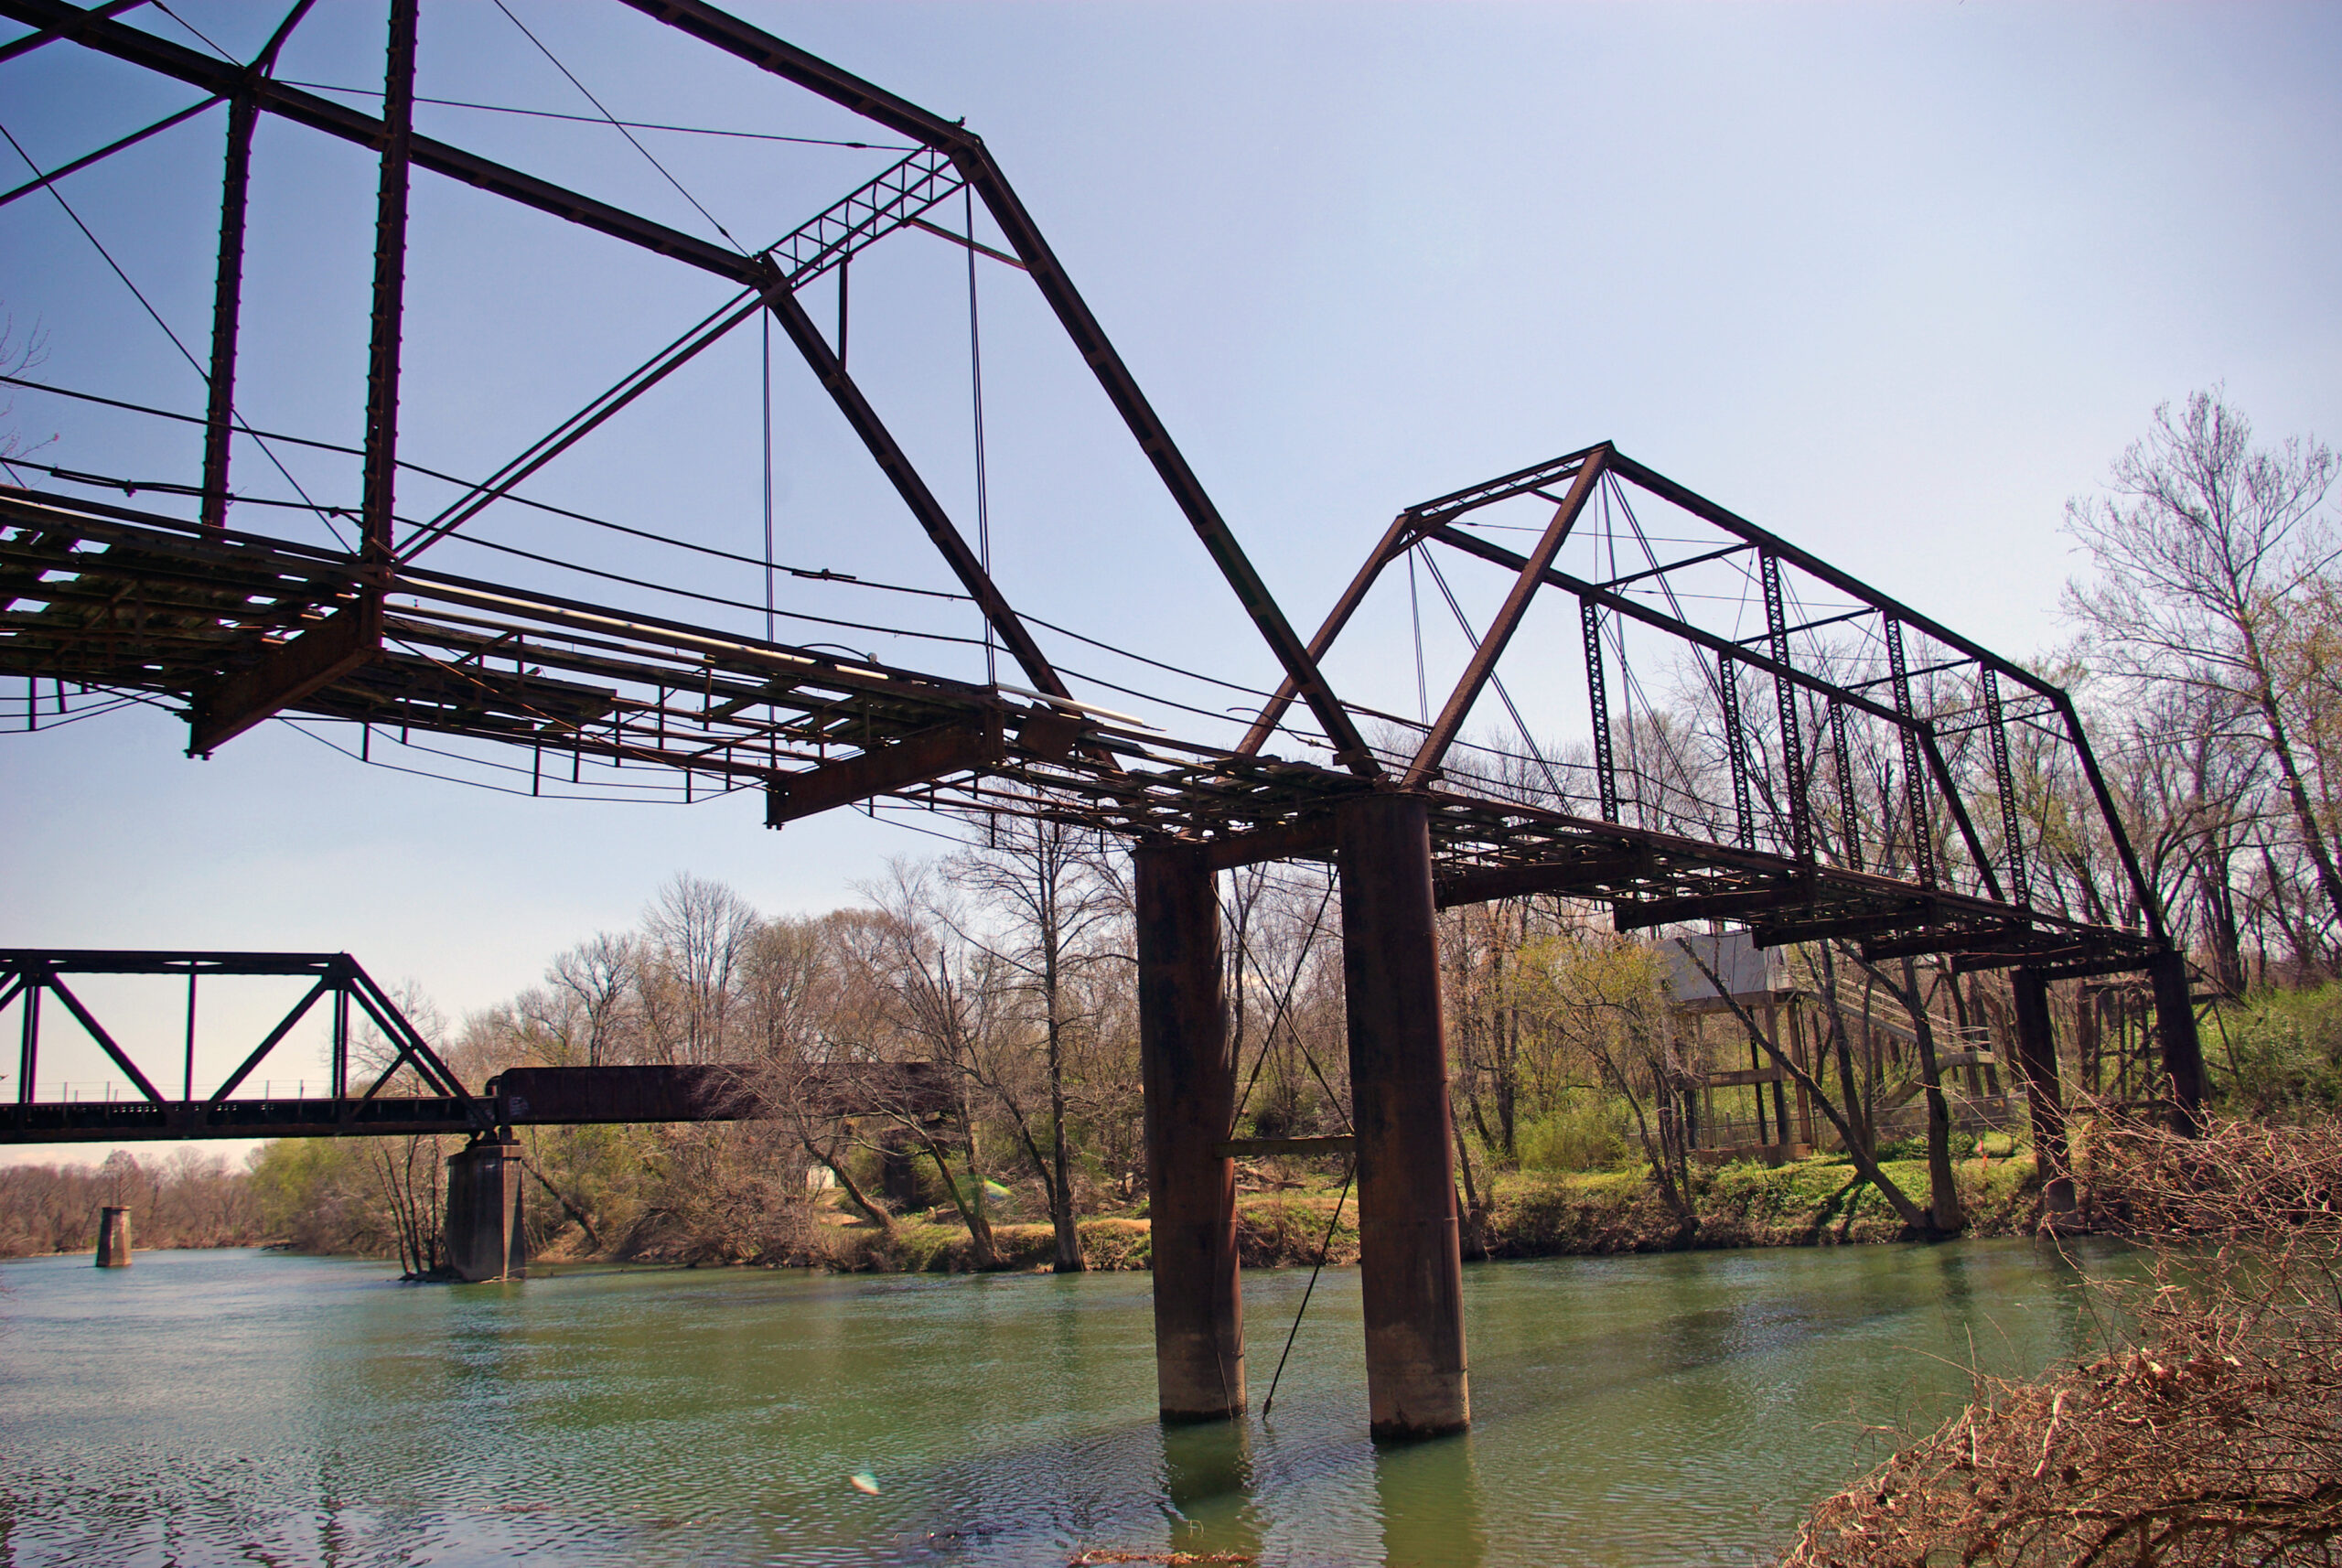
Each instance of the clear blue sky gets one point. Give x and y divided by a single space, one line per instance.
1893 281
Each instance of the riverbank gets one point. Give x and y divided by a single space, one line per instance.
1808 1203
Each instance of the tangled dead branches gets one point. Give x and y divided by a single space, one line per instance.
2214 1436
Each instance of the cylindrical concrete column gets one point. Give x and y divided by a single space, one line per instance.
113 1238
2182 1051
1411 1264
1188 1068
2036 1056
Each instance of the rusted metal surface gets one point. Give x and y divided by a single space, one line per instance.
2183 1049
1410 1257
545 1096
2036 1058
260 627
1189 1066
914 760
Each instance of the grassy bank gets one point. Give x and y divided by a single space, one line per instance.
1810 1203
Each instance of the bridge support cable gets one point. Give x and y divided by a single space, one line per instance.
880 442
1396 540
1410 1244
974 161
1483 662
1187 1066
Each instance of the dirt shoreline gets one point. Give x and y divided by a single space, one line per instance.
1807 1204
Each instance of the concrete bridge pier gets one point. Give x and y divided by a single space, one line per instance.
1409 1258
2036 1056
113 1238
484 1239
1188 1067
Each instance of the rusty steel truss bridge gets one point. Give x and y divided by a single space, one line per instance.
1837 765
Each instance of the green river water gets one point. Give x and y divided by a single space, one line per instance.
211 1408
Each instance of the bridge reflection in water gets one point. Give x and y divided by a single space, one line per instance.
1677 1409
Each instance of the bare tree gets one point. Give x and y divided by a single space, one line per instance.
597 978
2203 547
696 934
946 995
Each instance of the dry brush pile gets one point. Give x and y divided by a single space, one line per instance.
2210 1432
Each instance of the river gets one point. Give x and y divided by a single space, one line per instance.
206 1408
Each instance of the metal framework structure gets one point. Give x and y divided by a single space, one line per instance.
1874 798
30 976
376 1103
235 626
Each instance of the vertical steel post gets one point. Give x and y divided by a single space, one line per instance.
389 293
1410 1254
187 1093
1785 698
1598 701
341 1041
1850 816
1736 747
226 305
2036 1056
2183 1052
1188 1068
28 1053
2004 780
1914 792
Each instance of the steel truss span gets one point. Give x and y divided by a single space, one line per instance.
1860 780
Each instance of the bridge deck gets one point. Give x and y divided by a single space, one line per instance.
520 1097
110 598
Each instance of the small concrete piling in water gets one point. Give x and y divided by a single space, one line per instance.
113 1238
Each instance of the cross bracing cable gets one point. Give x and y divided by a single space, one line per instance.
196 32
612 121
801 573
59 196
812 573
710 329
1440 581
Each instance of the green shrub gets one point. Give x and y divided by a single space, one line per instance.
2282 1051
1584 1132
